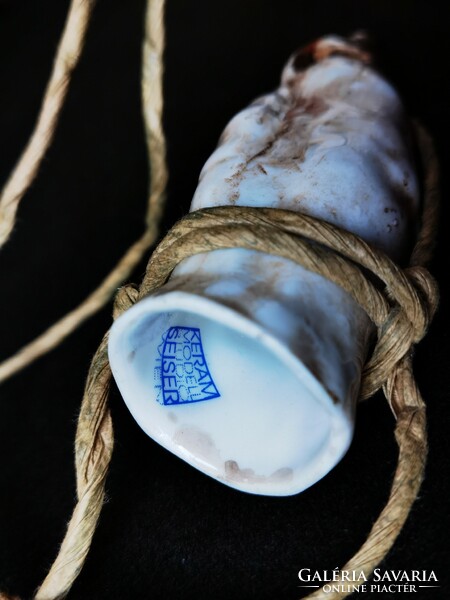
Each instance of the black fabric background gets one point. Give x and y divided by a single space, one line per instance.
168 531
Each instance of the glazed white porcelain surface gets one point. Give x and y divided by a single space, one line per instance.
246 365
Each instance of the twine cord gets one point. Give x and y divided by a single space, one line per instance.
152 102
67 56
95 438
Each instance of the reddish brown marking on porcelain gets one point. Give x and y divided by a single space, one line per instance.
328 49
261 168
354 48
304 57
333 396
235 474
235 197
313 106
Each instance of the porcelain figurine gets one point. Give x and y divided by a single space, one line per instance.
248 366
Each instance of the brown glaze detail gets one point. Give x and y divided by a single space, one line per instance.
304 57
313 106
300 198
341 52
198 443
356 47
313 366
326 49
236 178
333 396
237 475
300 157
310 107
261 168
266 148
235 196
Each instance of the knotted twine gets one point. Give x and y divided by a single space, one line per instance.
401 310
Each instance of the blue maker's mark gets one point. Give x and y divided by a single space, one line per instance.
181 372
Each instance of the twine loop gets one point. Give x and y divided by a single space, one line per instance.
400 303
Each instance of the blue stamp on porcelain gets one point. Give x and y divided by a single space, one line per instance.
181 372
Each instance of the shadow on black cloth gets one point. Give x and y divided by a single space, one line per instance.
167 531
